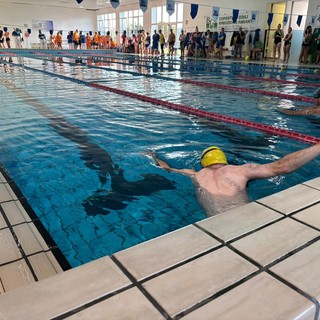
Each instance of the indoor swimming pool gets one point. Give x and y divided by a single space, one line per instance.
79 154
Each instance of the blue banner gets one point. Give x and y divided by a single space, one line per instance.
170 7
299 20
143 5
285 19
270 18
115 3
194 10
215 13
254 16
235 15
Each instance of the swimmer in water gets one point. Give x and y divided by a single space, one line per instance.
309 111
221 186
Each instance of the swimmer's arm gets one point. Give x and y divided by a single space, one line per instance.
285 165
165 166
301 112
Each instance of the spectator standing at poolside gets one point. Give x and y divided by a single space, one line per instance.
58 40
162 42
182 39
277 38
43 40
306 45
155 43
239 42
318 50
287 45
88 41
1 38
76 39
171 42
147 44
221 42
7 37
221 186
69 39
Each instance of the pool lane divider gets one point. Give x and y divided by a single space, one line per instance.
248 78
237 89
204 63
192 111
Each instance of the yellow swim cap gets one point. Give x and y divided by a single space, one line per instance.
213 155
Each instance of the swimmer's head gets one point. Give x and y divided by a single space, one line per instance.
317 94
213 155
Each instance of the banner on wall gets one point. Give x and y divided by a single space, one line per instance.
270 18
285 19
194 10
254 16
115 3
143 5
170 7
215 13
42 24
235 15
299 20
225 20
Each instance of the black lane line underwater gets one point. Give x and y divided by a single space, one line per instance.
98 159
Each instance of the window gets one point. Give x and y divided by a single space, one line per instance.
160 19
107 22
131 21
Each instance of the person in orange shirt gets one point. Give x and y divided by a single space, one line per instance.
58 40
99 41
76 39
88 41
95 40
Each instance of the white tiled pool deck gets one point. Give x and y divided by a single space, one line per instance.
259 261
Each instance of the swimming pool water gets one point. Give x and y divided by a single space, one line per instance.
79 155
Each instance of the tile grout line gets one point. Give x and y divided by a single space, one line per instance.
137 284
298 290
59 256
91 303
24 256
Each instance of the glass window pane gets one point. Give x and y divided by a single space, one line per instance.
159 14
165 16
180 12
153 15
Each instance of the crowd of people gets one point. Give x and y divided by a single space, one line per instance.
195 44
305 46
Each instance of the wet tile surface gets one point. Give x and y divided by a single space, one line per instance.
44 265
315 183
239 221
3 223
128 305
29 238
9 248
15 275
261 297
269 244
15 212
156 255
206 276
310 216
292 199
70 289
6 193
303 270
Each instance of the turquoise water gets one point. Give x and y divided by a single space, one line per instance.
79 154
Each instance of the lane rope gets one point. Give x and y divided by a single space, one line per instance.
192 111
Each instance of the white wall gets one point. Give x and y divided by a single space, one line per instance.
63 19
